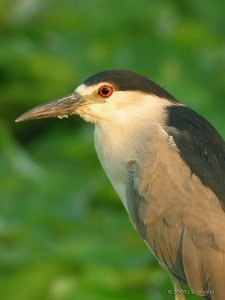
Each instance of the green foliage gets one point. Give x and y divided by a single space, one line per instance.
63 232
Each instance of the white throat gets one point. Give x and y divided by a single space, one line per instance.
122 135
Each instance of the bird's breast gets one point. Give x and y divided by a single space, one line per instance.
114 157
117 148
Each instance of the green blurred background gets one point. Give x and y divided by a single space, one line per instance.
63 232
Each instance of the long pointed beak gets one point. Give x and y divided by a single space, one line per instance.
61 108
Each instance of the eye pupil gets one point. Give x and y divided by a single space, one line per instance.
105 91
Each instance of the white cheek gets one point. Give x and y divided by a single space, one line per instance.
126 107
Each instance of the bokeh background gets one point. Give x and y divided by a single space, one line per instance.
64 234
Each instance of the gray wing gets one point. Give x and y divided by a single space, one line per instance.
180 218
157 235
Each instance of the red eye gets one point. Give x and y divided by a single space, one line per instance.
105 91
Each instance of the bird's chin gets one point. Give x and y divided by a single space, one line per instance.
90 112
86 115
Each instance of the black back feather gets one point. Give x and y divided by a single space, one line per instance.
200 146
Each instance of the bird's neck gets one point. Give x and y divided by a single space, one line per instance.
122 132
120 143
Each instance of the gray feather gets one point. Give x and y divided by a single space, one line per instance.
181 220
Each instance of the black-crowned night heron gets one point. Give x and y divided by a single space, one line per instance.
167 164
